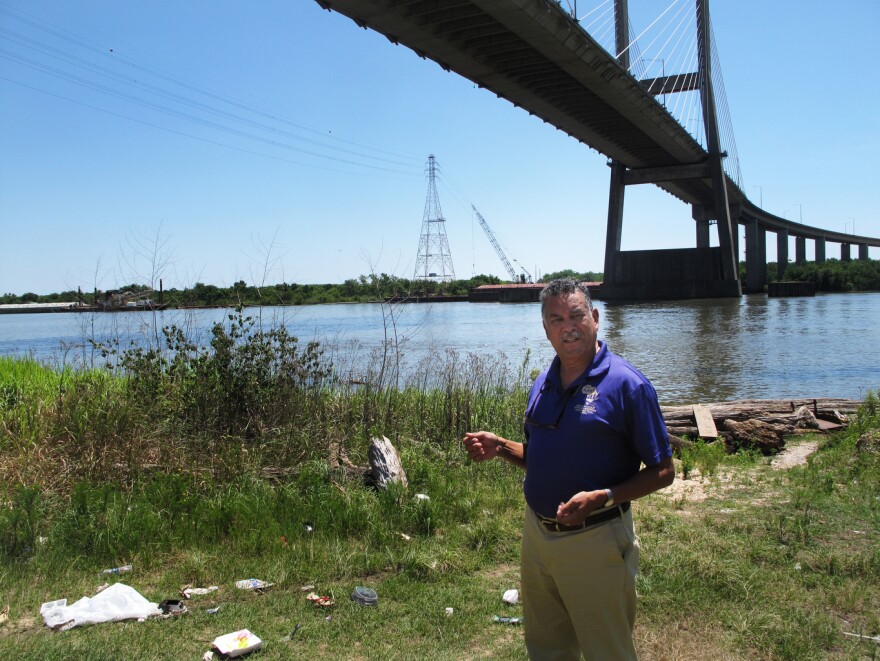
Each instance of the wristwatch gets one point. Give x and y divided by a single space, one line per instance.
610 495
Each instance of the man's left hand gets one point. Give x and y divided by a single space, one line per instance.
579 507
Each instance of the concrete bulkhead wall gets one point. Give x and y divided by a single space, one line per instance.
679 273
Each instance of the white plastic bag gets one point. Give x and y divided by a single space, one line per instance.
118 602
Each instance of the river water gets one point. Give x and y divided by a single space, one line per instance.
693 351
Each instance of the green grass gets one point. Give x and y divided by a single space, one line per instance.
772 565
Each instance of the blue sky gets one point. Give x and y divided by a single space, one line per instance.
102 189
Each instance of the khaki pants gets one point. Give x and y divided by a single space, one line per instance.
579 592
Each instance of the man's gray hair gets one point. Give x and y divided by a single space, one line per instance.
564 286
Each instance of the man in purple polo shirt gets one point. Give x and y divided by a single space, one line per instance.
595 441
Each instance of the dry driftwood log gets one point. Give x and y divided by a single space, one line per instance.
385 463
680 419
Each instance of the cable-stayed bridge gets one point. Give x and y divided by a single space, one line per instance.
554 65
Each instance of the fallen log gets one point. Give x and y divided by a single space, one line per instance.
777 411
761 424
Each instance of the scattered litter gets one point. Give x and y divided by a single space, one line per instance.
208 656
237 643
404 536
319 600
365 596
797 566
449 611
307 588
327 619
875 639
726 510
308 528
253 584
187 591
292 633
213 611
282 540
423 496
507 620
101 588
117 570
118 602
511 597
4 614
172 607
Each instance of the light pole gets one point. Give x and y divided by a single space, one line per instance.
761 191
853 224
662 73
801 209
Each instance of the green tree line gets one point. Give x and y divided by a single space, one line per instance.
832 275
363 289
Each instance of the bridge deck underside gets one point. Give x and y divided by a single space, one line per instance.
534 55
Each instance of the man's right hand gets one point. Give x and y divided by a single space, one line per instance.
482 445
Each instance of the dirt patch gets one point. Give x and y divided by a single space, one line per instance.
698 488
794 456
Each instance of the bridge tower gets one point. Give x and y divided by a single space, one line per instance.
433 261
687 273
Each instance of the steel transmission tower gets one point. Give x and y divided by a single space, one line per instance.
433 262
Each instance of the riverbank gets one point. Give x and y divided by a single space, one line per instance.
767 563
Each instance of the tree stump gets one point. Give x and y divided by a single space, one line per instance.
385 463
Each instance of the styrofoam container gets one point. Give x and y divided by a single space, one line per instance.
237 643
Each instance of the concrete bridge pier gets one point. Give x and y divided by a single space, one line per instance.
845 255
703 233
800 249
781 253
756 257
820 250
863 251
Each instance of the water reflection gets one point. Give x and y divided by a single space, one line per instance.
704 350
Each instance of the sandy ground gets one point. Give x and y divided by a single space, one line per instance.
697 488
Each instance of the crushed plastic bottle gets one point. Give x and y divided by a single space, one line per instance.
507 620
117 570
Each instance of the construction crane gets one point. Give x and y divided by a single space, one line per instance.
513 276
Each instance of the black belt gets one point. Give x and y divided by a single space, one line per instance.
593 520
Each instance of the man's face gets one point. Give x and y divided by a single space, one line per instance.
571 328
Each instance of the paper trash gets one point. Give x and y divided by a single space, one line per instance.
253 584
510 597
237 643
118 602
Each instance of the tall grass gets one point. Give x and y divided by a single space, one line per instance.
183 445
143 463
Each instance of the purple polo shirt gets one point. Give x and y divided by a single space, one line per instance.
592 435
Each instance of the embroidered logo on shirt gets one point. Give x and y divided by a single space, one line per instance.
590 397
